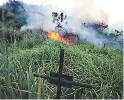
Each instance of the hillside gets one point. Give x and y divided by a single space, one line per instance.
95 57
87 63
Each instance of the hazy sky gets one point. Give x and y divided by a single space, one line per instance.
108 11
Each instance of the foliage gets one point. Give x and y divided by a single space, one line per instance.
24 52
13 14
87 63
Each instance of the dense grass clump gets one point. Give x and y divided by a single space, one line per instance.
23 53
87 63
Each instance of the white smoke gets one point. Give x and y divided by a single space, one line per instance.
109 12
40 17
106 11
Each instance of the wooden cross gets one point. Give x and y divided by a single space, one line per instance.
62 80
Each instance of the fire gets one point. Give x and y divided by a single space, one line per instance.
58 37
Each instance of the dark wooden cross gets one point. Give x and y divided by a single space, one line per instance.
60 79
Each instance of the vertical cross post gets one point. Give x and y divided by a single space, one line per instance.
60 79
60 72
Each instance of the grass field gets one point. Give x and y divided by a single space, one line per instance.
27 52
86 62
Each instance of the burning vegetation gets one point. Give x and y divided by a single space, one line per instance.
27 47
64 30
58 37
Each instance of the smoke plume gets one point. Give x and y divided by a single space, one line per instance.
108 12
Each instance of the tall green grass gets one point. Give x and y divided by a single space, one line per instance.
87 63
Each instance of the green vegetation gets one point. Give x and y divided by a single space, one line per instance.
87 63
23 53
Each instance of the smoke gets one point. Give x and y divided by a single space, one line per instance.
39 17
84 10
108 11
86 34
90 11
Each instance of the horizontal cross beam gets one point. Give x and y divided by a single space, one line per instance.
61 80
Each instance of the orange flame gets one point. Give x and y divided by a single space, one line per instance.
58 37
